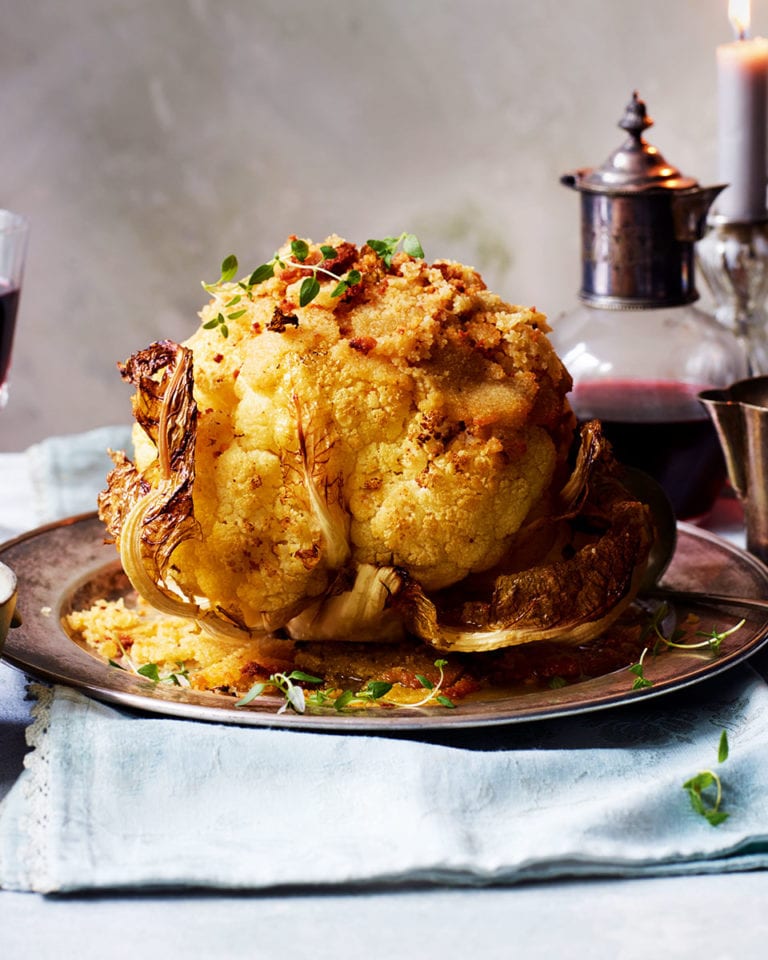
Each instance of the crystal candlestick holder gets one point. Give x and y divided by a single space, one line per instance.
733 258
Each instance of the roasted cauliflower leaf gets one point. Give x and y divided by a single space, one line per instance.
575 592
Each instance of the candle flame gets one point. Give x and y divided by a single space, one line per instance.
739 13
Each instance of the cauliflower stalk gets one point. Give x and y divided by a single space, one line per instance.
345 423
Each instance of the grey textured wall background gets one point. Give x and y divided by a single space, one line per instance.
146 139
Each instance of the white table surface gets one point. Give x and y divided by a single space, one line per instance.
700 916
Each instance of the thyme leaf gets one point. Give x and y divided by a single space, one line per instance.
344 699
151 671
262 273
350 280
283 683
310 287
256 691
375 690
228 268
722 747
412 246
387 247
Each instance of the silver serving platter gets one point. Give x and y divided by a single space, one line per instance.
66 563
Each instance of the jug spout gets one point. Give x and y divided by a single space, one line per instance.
740 415
690 209
726 415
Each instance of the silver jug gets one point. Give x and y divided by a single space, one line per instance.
740 415
640 221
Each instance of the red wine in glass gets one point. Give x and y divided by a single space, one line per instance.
662 428
9 302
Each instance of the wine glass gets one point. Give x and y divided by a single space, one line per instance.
14 231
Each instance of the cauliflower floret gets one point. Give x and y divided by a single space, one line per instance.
444 516
415 420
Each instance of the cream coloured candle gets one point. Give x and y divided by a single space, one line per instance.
742 84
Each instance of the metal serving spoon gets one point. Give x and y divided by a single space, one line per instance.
646 489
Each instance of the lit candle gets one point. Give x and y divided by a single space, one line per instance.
742 87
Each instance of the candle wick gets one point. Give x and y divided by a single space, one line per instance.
742 33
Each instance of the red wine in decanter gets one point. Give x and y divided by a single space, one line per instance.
662 428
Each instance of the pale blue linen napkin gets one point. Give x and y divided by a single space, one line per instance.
112 799
68 472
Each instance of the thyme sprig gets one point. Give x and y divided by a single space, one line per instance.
374 691
641 682
310 285
710 640
708 780
219 322
151 671
434 688
283 683
179 678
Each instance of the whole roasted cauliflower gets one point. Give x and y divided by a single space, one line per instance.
350 431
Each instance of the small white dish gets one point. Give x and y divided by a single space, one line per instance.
7 601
